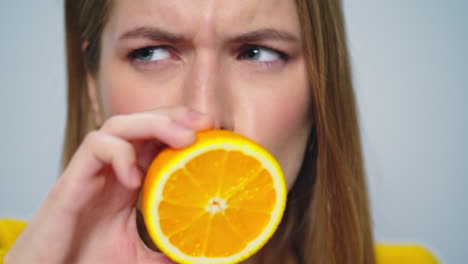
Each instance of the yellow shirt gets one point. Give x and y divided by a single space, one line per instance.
403 254
9 231
385 253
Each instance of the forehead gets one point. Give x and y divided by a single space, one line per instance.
194 18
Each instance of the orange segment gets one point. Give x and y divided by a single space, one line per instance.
182 189
208 177
217 201
258 194
188 239
185 217
239 170
223 240
248 223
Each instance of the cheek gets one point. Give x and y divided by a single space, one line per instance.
288 135
119 100
288 113
284 120
286 128
131 92
274 109
280 120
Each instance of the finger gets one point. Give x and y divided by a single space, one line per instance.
99 149
175 127
146 151
192 118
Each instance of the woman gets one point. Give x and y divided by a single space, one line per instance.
144 74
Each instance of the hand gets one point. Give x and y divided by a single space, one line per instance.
89 216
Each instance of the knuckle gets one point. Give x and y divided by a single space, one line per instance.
112 123
125 147
92 137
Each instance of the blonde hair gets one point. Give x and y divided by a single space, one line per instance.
327 218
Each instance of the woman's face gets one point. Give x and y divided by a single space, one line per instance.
241 62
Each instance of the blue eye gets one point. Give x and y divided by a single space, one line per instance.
151 54
258 53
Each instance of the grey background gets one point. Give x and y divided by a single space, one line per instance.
410 67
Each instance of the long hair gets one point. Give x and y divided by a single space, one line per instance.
327 219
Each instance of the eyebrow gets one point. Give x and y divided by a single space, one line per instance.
265 34
157 34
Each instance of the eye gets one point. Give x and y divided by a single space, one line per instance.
151 54
263 54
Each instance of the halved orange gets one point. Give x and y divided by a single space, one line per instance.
216 201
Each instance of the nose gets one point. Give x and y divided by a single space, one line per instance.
205 88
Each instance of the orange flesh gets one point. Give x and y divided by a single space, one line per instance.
235 187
